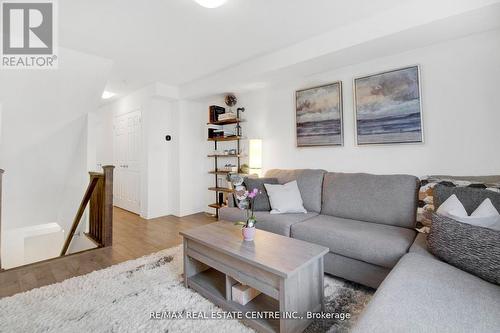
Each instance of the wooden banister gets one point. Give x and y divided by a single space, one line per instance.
99 195
1 175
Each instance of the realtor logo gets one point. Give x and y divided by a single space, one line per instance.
28 35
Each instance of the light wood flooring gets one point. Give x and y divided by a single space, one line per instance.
133 237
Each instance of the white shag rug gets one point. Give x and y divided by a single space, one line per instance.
121 298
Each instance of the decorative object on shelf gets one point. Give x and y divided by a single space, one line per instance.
230 168
235 179
318 114
255 156
220 182
213 113
230 100
388 107
248 230
243 294
227 116
215 131
245 168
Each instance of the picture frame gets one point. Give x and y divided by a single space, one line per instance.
319 116
388 107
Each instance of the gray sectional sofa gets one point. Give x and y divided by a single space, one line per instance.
367 222
424 294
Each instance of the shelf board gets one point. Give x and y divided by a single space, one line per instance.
212 284
212 281
216 206
226 173
225 138
221 189
220 172
225 155
226 122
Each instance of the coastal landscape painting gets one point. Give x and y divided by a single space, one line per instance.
388 107
319 116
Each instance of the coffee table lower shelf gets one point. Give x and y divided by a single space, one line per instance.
287 272
216 286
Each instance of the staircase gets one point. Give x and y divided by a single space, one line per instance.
98 197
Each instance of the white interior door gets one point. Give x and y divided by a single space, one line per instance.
127 153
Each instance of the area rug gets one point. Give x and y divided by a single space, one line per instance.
123 297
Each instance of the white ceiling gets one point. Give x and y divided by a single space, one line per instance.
177 41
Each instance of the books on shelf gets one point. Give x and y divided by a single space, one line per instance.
227 116
214 111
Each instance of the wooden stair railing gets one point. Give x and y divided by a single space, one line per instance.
99 194
1 174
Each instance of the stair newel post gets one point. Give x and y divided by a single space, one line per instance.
107 223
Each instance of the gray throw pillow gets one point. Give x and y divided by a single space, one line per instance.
261 202
471 248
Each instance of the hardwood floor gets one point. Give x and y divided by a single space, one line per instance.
133 237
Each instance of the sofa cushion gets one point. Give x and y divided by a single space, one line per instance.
422 294
386 199
373 243
310 182
276 223
420 246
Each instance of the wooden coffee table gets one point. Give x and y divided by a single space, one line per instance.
288 272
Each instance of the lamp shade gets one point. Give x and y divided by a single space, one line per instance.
211 3
255 156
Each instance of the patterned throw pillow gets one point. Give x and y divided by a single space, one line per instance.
426 197
261 201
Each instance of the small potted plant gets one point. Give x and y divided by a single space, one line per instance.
248 230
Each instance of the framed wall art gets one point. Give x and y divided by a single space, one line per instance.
388 107
318 115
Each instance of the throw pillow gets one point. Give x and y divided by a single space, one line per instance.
485 215
261 202
452 207
471 248
285 198
426 204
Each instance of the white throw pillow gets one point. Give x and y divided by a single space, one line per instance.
285 198
485 215
452 207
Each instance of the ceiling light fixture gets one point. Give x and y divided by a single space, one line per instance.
107 94
210 3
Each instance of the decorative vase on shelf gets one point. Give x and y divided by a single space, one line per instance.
248 233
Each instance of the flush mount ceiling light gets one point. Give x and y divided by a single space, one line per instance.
210 3
107 94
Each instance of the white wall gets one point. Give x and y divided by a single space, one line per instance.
193 159
460 84
44 137
43 146
170 170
